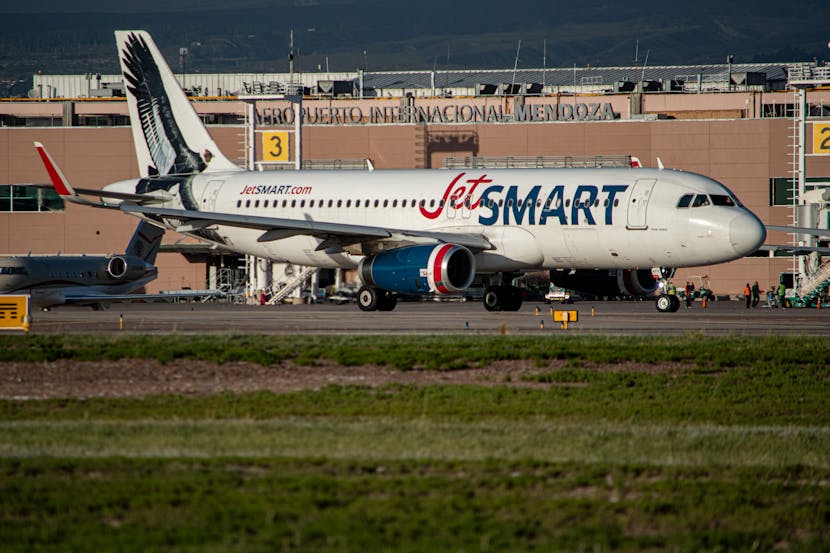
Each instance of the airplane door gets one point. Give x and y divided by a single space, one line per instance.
465 208
450 208
209 194
638 203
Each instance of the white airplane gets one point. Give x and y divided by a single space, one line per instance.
52 280
418 231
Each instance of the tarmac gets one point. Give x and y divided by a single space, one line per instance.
431 317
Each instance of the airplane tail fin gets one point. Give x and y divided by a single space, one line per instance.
168 134
145 242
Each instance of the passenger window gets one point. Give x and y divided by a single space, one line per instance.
284 203
385 203
302 203
357 203
403 203
377 203
265 203
394 203
310 203
238 203
348 203
256 203
339 203
432 203
247 203
330 202
685 200
700 200
293 203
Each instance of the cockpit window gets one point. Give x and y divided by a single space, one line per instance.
701 200
685 200
13 271
718 199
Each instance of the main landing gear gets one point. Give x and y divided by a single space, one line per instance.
501 295
370 298
667 303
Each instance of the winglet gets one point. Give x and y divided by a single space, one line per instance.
61 184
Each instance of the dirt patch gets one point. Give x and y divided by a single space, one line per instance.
142 377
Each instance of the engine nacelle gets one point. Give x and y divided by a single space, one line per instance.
422 269
121 267
612 282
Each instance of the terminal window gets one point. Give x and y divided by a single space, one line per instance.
781 188
23 198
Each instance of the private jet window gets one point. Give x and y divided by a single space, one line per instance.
685 200
700 200
18 197
719 199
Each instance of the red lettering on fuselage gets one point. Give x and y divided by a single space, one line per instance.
458 196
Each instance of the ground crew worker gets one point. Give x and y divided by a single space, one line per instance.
781 292
748 295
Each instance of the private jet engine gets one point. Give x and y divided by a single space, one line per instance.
121 267
609 283
420 269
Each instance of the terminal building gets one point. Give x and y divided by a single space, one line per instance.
761 129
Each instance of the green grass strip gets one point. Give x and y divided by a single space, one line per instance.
329 505
430 352
379 438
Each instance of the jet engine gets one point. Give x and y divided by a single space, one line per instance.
611 283
125 268
420 269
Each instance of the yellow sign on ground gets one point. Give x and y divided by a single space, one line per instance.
566 316
14 312
275 146
821 139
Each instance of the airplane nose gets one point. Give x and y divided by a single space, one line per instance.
746 233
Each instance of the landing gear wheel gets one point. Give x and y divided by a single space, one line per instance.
493 298
368 298
513 301
675 303
387 300
666 303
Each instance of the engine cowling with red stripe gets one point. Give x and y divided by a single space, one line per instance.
611 283
421 269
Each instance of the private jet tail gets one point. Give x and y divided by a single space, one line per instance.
168 134
145 242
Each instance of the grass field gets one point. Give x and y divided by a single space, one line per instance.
725 449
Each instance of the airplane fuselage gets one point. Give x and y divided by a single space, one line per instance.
534 218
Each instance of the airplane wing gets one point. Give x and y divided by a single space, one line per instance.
801 230
85 299
794 250
334 235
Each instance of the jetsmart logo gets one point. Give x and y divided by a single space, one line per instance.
285 189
